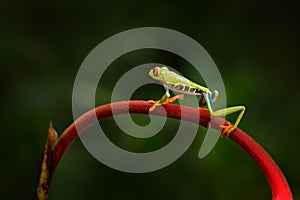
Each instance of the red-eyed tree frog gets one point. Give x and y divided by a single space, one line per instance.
181 85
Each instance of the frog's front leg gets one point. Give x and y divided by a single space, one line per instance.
172 99
165 99
159 102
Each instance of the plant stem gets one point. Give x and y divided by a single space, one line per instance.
274 176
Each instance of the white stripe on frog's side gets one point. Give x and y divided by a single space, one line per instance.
183 89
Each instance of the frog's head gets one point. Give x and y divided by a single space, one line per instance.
157 73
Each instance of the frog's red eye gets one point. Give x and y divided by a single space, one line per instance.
155 71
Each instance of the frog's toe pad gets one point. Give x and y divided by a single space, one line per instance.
226 129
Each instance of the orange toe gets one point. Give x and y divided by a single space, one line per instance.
225 129
152 101
181 96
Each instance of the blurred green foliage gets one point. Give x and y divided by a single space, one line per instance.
255 44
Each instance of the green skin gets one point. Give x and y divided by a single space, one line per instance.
182 85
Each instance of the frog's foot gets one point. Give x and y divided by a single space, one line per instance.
152 101
169 100
172 99
155 104
226 129
203 108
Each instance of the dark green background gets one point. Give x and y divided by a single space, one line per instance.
255 44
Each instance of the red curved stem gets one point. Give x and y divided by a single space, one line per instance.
275 178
